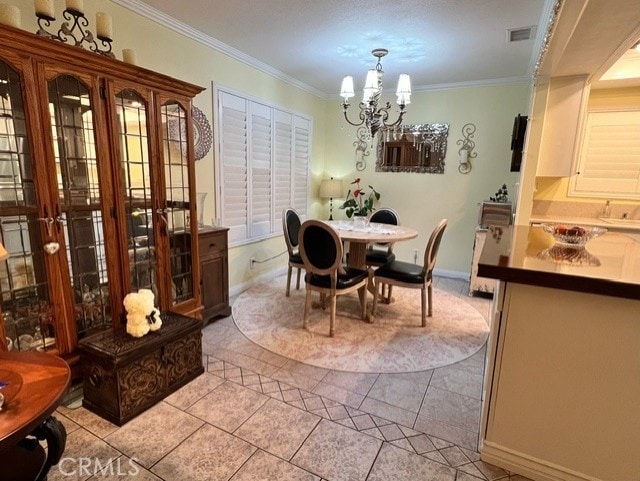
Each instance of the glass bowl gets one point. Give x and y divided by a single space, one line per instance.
572 235
574 255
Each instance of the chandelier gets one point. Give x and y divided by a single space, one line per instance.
372 116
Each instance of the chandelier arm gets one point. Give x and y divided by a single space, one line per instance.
397 122
349 121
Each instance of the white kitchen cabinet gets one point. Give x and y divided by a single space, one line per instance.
566 101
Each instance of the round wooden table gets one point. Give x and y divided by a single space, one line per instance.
45 379
359 236
33 384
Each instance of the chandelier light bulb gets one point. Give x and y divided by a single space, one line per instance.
404 84
346 91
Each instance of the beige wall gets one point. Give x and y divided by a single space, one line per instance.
421 199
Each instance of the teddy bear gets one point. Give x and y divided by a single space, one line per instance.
142 315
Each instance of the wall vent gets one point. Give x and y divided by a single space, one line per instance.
518 34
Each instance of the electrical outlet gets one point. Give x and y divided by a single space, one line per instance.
252 263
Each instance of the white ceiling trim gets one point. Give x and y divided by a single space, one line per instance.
165 20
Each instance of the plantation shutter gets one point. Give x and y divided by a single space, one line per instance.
265 157
282 176
234 163
260 155
301 165
610 154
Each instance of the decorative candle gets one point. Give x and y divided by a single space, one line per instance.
45 8
104 25
129 56
76 5
9 15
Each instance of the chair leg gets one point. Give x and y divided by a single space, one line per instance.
298 279
362 292
424 306
376 284
332 318
307 306
288 279
389 287
430 300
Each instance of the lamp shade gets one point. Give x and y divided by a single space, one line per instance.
347 88
331 188
3 253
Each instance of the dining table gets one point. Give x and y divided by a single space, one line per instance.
32 385
361 234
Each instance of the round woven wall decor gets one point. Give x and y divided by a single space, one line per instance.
202 133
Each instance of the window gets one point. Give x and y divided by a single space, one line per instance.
609 162
264 165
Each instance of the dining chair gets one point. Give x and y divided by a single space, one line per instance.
381 253
321 251
413 276
291 228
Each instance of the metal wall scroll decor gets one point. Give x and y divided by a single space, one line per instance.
413 148
467 145
361 144
74 30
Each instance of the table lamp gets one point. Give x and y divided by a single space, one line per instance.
330 188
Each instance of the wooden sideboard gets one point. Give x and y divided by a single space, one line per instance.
214 269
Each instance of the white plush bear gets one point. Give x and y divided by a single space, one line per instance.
142 316
153 316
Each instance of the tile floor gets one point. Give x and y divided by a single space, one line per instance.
254 415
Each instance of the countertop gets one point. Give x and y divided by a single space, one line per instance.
609 265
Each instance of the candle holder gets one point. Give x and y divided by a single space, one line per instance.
75 31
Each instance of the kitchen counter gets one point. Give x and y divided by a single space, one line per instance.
562 379
610 265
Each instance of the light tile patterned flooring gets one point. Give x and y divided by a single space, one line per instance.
255 415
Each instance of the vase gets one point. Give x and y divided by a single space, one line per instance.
201 196
360 220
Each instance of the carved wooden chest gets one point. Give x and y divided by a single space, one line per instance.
124 375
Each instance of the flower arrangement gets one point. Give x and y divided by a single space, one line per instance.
358 202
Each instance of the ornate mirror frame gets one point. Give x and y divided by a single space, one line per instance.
419 148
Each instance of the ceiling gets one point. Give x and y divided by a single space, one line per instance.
313 44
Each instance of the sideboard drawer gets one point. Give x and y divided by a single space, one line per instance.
212 244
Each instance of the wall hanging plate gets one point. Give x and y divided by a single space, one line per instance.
202 133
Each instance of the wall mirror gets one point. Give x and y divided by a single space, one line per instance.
412 148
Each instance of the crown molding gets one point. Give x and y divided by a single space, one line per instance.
171 23
542 31
474 83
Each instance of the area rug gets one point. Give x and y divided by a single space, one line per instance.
394 342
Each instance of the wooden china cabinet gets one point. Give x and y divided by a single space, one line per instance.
96 197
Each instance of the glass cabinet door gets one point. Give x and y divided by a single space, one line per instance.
177 208
79 196
24 285
131 110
